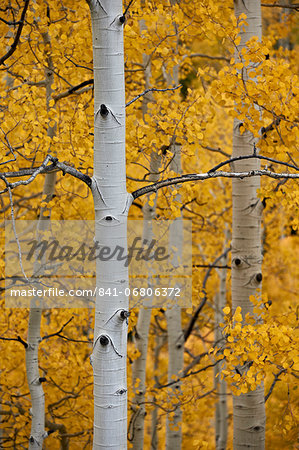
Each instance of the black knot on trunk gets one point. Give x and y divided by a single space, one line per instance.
104 340
237 261
104 110
259 277
124 314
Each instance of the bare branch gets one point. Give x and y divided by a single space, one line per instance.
212 266
18 34
278 5
193 320
18 339
128 7
276 378
201 55
15 231
206 176
43 168
152 90
47 336
73 90
216 150
58 334
265 158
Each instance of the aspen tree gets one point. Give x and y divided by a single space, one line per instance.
38 434
248 408
111 204
221 424
174 313
175 335
144 314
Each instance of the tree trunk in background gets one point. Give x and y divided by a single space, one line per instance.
111 203
155 416
220 384
174 327
37 434
144 315
174 314
142 327
248 409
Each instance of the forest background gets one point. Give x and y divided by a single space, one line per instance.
186 51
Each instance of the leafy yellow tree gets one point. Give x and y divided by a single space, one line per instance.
198 116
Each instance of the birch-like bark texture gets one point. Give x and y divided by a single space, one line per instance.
111 203
38 434
142 327
248 409
174 314
159 342
174 327
144 315
220 384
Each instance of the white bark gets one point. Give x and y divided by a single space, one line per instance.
173 315
220 384
144 315
111 203
142 330
174 329
248 409
38 434
139 376
155 415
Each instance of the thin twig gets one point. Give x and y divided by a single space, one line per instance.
15 233
193 320
47 336
265 158
18 35
152 90
201 55
276 378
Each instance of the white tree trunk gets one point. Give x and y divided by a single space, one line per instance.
155 416
173 315
142 329
144 315
220 384
174 329
111 203
38 434
248 409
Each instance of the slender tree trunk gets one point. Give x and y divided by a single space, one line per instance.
220 385
173 315
144 315
174 328
142 328
248 409
38 434
155 415
111 203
